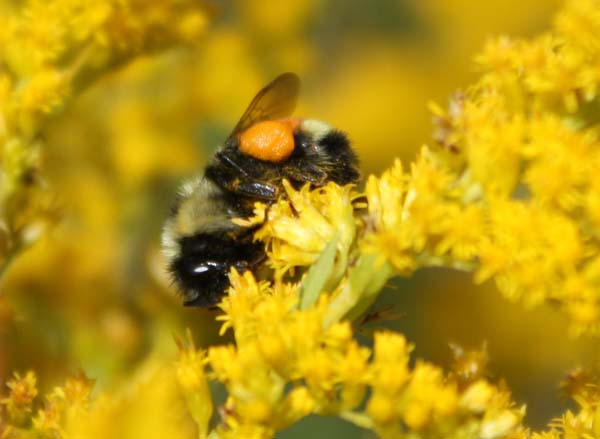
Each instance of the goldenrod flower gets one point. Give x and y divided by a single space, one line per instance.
297 227
509 194
52 49
23 391
193 383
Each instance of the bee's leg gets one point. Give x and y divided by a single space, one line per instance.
257 261
303 172
242 184
254 188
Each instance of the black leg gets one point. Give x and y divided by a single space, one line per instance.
254 188
233 179
303 172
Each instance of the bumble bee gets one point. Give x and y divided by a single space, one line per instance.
200 241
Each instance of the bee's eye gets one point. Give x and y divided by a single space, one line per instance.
270 140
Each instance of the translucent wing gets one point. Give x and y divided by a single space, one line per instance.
276 100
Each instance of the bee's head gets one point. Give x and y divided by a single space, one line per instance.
201 266
201 282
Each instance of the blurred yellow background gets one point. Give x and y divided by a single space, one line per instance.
93 294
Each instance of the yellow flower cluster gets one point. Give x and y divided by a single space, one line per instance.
509 193
159 401
63 407
336 376
511 190
22 392
287 363
49 51
297 229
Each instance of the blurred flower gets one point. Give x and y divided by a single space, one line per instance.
509 194
23 391
53 49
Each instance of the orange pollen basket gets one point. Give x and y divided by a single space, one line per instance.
270 140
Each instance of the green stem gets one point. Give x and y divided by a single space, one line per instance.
360 290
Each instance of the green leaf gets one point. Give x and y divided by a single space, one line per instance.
318 275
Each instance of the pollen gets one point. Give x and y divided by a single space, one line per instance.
270 141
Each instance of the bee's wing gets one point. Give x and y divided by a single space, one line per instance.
276 100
